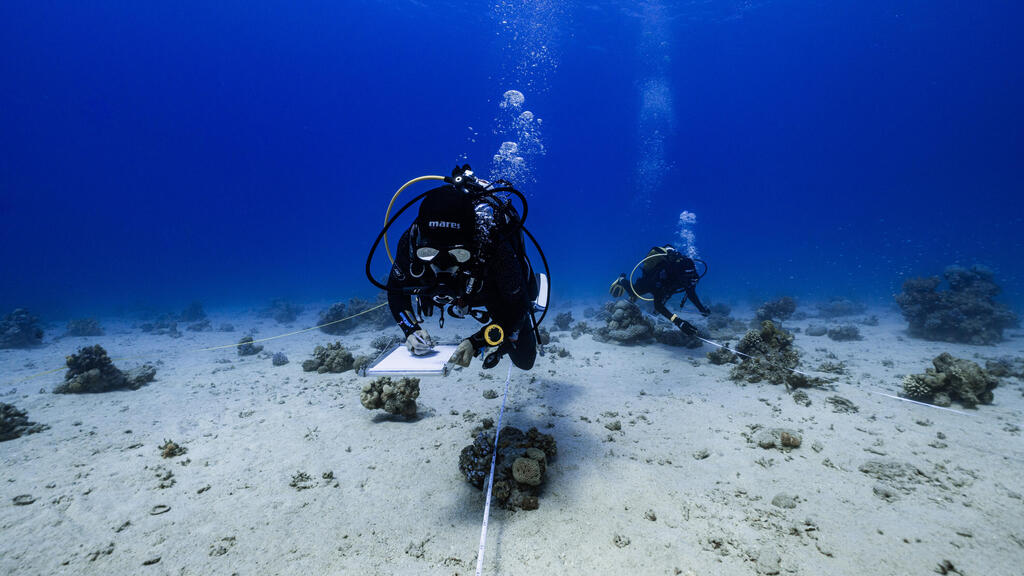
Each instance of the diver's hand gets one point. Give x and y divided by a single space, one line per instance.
463 354
419 343
687 328
705 312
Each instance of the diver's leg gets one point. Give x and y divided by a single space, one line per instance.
524 351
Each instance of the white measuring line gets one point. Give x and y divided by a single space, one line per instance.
919 403
765 360
490 480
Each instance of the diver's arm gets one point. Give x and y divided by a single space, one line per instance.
399 279
509 301
659 307
691 294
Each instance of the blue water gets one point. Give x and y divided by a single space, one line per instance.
152 154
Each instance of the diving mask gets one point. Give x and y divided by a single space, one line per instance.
457 253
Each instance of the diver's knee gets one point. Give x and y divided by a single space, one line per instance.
524 363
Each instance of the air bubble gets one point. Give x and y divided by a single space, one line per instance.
512 99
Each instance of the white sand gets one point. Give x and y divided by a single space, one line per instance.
398 504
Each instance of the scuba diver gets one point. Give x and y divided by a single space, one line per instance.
464 254
666 272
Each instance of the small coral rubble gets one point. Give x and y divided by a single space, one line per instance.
171 449
967 312
84 327
394 396
91 371
246 347
519 469
951 379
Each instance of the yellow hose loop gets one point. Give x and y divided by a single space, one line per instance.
494 341
222 347
387 215
634 270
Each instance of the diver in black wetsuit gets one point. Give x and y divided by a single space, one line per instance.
465 253
666 272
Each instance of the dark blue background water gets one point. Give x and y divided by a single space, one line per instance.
156 153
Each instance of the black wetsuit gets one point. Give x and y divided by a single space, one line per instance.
503 285
667 276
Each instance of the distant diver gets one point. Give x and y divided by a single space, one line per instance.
464 254
665 273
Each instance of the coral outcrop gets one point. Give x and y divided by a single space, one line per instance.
20 329
780 309
625 323
967 312
579 329
382 342
361 363
14 423
163 325
563 320
1006 367
816 330
951 379
379 318
92 371
282 311
393 396
838 307
844 333
201 326
193 313
519 469
771 357
720 356
332 358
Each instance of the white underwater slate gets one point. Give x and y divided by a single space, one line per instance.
400 362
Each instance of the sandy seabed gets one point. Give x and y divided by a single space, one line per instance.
681 488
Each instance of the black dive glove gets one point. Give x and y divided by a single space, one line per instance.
684 326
